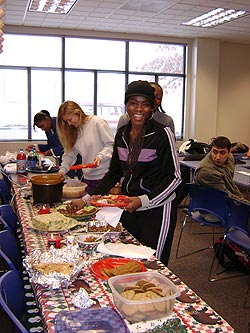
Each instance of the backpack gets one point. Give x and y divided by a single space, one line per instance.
238 147
198 148
193 146
233 256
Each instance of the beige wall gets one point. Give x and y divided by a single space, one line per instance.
234 92
220 91
14 146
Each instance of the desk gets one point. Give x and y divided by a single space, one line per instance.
241 173
193 314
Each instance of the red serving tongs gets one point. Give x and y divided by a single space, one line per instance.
83 166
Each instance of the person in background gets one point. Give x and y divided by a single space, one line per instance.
216 169
158 113
145 158
46 123
87 135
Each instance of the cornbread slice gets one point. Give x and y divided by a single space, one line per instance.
48 268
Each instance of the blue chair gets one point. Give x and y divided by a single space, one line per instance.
8 245
204 201
10 256
5 194
12 300
241 238
6 177
5 226
237 231
7 263
7 213
238 213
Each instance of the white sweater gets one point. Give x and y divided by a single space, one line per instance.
95 138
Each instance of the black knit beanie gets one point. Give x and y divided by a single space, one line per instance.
140 88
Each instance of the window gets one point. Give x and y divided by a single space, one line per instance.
13 104
46 94
91 72
94 53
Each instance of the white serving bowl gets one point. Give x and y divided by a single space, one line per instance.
87 240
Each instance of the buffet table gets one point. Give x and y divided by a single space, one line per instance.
191 314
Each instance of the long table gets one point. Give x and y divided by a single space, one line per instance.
191 314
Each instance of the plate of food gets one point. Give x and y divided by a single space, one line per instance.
53 222
108 267
68 211
110 200
83 166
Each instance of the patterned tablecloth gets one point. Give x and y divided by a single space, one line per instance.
191 314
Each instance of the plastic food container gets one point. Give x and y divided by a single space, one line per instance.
103 226
146 306
103 320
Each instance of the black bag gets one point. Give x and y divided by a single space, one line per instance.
238 147
233 256
196 147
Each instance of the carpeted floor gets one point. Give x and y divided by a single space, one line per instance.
224 296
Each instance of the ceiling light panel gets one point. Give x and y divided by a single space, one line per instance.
51 6
216 17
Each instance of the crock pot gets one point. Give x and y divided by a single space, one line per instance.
47 188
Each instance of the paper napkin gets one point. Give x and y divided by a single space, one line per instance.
110 214
126 250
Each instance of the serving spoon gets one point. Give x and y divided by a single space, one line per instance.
100 237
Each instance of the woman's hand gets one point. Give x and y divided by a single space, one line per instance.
78 204
48 153
61 173
97 161
28 148
134 203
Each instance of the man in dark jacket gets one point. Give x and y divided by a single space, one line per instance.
216 169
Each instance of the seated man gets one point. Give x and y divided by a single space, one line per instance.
216 169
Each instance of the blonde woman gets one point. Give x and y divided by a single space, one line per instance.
87 135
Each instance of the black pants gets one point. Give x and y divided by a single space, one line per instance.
147 227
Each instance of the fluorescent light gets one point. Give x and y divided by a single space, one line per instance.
216 17
51 6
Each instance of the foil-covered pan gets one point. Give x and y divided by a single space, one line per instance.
56 267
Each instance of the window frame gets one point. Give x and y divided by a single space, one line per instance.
126 72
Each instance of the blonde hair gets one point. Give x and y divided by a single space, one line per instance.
68 134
